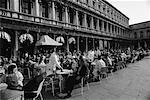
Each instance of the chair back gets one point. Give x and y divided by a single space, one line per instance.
40 88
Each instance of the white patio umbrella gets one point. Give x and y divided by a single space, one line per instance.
5 35
60 39
25 37
47 41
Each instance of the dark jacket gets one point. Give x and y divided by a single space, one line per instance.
34 83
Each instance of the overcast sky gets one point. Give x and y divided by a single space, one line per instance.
137 10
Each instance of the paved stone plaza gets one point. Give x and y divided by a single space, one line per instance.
132 83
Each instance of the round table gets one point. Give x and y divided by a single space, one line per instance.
64 71
62 74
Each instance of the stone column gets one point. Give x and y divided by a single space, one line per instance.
77 19
96 3
93 43
145 44
108 43
92 23
116 30
53 11
66 16
54 37
110 28
97 25
67 43
16 47
86 39
85 20
107 29
14 5
139 45
90 3
78 44
37 8
102 25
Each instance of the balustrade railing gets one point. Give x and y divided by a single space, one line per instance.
27 17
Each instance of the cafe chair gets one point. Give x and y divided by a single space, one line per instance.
38 92
103 72
84 79
26 72
49 81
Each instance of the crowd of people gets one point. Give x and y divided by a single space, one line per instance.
83 64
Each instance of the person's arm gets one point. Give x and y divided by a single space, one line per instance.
20 76
57 63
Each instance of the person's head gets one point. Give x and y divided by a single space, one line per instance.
39 70
99 57
12 68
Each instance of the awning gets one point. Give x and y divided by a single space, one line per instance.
5 35
72 40
60 39
25 37
46 40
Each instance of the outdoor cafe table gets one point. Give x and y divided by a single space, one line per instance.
62 74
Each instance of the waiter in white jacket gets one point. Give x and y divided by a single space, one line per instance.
53 63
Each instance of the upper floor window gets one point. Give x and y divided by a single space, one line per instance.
81 16
3 4
45 10
88 21
94 4
26 6
87 1
99 7
104 8
141 34
148 33
108 10
95 22
72 14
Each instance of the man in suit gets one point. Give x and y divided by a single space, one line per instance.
34 83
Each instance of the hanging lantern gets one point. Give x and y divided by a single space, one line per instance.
72 40
25 37
5 35
60 39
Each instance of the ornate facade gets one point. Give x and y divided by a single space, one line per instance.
141 34
92 23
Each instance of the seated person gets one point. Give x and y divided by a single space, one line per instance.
76 77
96 68
14 79
34 83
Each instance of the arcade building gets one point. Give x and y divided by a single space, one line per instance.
80 25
